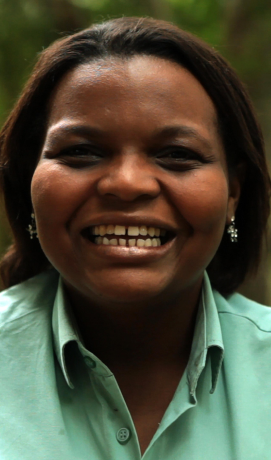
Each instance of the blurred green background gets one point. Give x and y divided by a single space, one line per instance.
239 29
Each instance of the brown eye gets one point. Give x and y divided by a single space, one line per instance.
81 152
183 155
79 156
180 159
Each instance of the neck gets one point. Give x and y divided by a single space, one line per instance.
139 334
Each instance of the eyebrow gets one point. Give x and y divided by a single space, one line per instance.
182 131
92 131
80 130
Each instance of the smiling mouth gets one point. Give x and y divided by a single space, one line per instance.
128 236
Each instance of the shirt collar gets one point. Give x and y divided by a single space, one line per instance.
64 328
207 340
207 336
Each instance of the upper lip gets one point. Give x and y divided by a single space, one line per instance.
129 221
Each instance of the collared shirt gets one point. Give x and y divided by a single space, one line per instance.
58 401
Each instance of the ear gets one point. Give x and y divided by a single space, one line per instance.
236 181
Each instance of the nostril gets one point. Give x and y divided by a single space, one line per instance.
129 186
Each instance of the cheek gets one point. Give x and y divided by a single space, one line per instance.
56 193
202 199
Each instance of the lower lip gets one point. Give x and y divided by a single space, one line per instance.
130 254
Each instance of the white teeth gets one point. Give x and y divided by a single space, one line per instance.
133 231
120 230
111 229
151 231
149 242
140 243
102 230
143 230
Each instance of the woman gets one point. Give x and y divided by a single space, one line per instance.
134 160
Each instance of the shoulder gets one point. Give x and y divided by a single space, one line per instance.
24 299
239 309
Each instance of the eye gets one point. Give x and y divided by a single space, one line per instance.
80 155
81 151
180 159
182 155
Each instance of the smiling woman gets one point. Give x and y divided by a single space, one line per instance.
135 149
138 169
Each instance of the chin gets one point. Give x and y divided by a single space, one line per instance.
125 292
127 296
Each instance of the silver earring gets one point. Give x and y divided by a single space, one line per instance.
32 229
232 230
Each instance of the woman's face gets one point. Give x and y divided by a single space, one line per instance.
132 151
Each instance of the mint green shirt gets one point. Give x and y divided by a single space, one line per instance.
60 402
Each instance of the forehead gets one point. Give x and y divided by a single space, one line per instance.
120 93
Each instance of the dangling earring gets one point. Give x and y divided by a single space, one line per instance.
32 229
232 230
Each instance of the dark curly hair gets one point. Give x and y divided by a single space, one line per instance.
23 134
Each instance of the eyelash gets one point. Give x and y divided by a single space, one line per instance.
186 158
84 153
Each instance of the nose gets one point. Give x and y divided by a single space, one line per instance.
128 178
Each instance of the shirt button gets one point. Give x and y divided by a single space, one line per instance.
90 362
123 435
